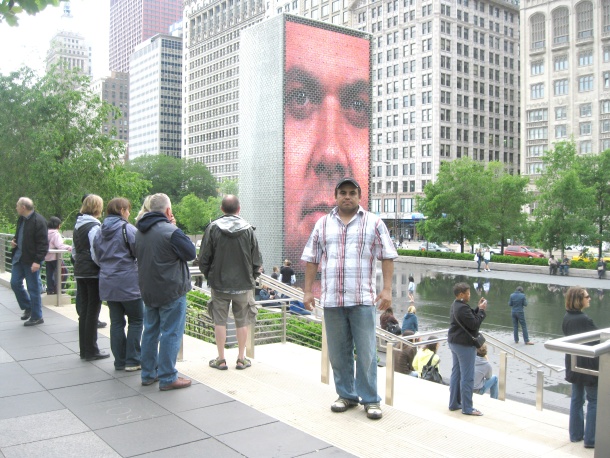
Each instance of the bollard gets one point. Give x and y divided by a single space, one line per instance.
502 376
324 361
539 388
389 374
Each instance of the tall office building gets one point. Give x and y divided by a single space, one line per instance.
69 50
155 97
114 89
134 21
566 77
211 62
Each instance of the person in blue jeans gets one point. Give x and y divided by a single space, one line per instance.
484 380
346 243
464 327
29 248
163 252
114 248
517 303
584 386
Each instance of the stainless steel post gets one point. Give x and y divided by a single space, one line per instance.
284 313
57 279
602 438
389 374
539 388
324 361
502 376
250 341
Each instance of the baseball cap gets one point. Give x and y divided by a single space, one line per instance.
347 180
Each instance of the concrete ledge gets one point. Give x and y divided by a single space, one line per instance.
498 266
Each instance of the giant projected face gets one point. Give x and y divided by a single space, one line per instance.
327 106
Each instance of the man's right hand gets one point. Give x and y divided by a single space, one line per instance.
13 243
309 301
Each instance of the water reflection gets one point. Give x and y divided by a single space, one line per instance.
433 296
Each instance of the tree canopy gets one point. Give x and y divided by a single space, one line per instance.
175 177
53 148
11 9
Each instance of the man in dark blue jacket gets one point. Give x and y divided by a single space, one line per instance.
163 251
30 247
518 302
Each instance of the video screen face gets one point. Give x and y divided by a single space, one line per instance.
327 112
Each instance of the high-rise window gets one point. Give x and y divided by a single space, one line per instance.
537 31
561 25
560 87
584 19
585 83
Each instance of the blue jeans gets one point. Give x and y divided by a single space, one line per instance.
30 299
51 269
347 327
163 330
579 428
490 384
126 348
519 318
462 377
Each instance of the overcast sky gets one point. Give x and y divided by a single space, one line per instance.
28 43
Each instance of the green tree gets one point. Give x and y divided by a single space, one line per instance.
508 196
53 148
457 204
229 187
10 9
562 200
594 171
175 177
193 214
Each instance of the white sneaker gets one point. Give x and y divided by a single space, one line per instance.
342 404
132 368
373 411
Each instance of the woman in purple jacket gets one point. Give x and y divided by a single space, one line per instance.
114 247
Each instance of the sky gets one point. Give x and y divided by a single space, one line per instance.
27 44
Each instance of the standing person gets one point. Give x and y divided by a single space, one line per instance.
29 248
410 322
487 259
230 260
483 374
346 243
163 252
601 268
287 273
517 302
584 386
56 242
462 348
276 273
411 289
478 258
86 272
114 247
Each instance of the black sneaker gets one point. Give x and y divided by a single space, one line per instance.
100 324
32 322
26 315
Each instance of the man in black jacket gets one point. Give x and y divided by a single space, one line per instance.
230 260
30 247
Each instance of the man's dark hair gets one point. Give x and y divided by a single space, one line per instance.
519 288
230 205
460 288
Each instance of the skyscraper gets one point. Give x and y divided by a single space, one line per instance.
134 21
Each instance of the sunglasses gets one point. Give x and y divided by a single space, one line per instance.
587 297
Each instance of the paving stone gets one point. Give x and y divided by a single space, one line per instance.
204 448
66 336
23 354
36 427
85 374
329 452
196 396
118 412
92 393
15 380
150 435
225 418
5 357
52 363
28 404
76 446
287 441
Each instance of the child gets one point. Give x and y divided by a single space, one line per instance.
411 289
56 242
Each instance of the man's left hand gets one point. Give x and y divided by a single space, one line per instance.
35 267
384 299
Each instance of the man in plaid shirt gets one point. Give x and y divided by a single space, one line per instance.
347 243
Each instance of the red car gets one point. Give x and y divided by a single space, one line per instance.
522 251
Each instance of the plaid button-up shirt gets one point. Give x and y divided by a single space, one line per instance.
348 255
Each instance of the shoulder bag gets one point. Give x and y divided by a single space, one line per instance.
478 341
430 372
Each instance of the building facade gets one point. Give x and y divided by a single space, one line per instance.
155 97
211 61
134 21
114 89
566 77
70 51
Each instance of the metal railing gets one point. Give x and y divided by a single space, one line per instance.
580 345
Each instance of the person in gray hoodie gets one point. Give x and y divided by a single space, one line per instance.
230 259
114 247
86 272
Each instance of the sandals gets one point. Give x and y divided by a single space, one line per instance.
220 364
474 413
245 364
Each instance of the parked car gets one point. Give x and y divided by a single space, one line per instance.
522 251
435 247
590 257
484 246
